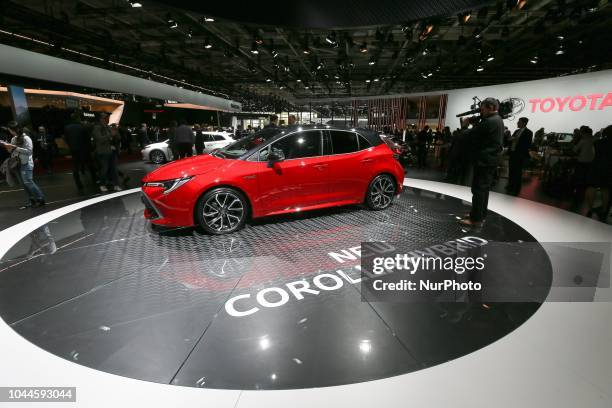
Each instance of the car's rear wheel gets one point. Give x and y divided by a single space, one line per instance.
157 157
380 192
222 210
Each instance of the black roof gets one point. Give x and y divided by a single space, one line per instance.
371 136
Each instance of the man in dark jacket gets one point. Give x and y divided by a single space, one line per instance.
143 135
487 138
77 139
422 143
519 155
183 140
105 145
273 122
199 139
459 155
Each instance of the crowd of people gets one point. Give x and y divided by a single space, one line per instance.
472 154
94 148
459 154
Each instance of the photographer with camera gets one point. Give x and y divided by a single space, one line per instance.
487 137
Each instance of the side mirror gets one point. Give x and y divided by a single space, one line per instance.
275 157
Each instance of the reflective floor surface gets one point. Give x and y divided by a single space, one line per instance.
99 287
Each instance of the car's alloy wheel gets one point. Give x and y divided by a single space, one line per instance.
157 157
381 192
222 210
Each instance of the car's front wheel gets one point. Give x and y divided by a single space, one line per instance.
222 210
157 157
380 192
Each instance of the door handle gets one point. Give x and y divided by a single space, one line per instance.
367 160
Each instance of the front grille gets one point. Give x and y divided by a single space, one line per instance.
150 207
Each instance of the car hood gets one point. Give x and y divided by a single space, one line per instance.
192 166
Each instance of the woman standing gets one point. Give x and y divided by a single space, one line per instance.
21 147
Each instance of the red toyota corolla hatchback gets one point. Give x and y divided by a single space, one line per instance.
274 171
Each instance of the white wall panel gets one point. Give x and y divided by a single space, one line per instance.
556 104
16 61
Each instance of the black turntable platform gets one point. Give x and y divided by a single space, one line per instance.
100 288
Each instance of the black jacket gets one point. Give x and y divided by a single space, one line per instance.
487 138
523 144
75 135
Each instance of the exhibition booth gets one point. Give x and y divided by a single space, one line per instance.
365 255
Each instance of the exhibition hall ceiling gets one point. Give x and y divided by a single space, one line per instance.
291 58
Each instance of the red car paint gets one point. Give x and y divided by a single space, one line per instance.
288 186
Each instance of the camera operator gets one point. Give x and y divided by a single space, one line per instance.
487 137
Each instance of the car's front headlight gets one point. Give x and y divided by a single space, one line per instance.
169 185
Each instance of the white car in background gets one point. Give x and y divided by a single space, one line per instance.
160 152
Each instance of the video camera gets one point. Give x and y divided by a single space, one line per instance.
505 110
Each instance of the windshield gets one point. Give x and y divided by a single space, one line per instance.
248 143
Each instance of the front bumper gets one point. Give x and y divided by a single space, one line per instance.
169 210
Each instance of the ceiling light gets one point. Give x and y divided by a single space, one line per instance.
171 22
376 79
534 60
363 48
490 58
274 53
560 38
521 3
428 29
367 81
209 19
372 61
298 80
207 44
268 80
464 17
430 74
254 49
135 4
480 68
560 51
331 38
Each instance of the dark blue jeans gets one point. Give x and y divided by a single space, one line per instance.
26 179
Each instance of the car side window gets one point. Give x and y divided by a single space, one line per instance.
363 142
298 145
207 138
218 138
327 147
263 153
343 142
